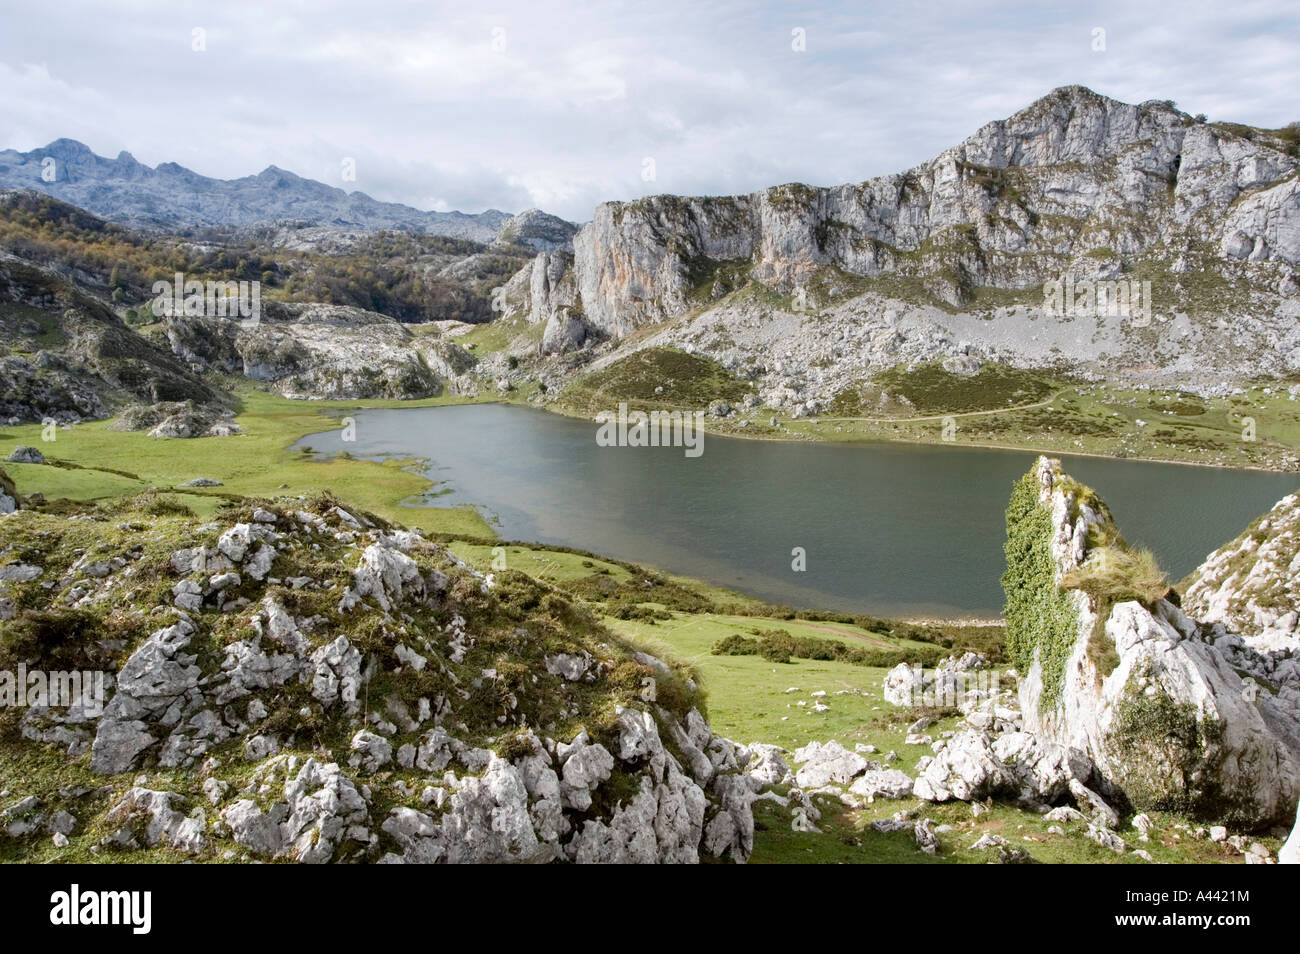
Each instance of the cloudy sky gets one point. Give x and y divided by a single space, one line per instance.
445 107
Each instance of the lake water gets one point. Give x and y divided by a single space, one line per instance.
890 529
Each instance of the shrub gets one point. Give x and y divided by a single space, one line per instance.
58 639
780 646
735 645
1115 574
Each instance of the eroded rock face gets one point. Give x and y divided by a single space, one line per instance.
1173 721
1252 584
158 685
324 351
564 332
551 285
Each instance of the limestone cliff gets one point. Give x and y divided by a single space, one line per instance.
1075 185
1076 180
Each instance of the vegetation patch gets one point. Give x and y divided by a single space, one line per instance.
778 645
930 389
662 377
1041 621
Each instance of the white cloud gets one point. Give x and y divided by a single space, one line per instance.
564 114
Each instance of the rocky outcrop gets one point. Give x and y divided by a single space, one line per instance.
25 455
1252 585
65 356
469 732
1173 713
827 764
182 419
324 351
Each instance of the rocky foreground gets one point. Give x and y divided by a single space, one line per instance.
297 681
1123 704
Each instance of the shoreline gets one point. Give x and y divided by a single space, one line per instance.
316 419
570 412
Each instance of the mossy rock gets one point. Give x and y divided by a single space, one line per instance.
1165 757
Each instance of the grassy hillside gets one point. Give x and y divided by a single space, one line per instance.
657 378
102 462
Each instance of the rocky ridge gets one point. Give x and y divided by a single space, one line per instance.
173 197
949 259
325 351
1250 584
66 356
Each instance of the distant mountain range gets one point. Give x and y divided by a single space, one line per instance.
171 197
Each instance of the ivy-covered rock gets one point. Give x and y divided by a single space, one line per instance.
1175 714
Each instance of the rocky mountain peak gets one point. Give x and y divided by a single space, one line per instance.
1075 184
541 230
